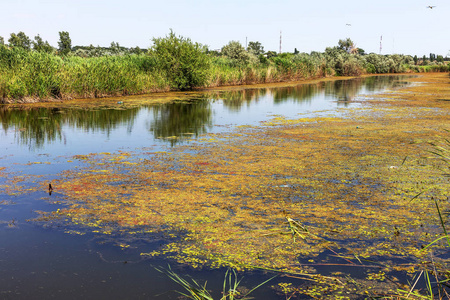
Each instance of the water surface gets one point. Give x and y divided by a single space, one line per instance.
48 262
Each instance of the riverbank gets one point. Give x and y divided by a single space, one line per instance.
30 76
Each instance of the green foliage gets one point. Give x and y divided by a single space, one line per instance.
20 40
64 43
432 57
41 46
177 63
235 51
346 45
184 62
28 73
255 48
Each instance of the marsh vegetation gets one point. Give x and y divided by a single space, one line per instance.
33 70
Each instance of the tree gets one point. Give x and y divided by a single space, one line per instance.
64 43
235 51
41 46
2 41
255 48
296 51
115 48
185 63
136 50
416 59
347 45
271 54
440 58
424 61
20 40
432 57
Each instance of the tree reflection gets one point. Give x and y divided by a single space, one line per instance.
36 126
178 121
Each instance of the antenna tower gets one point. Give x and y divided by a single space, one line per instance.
280 41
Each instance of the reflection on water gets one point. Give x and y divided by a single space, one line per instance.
177 121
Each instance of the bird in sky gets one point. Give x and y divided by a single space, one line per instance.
348 24
430 6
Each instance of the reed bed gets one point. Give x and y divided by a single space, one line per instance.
38 76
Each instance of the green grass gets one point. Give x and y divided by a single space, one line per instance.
196 291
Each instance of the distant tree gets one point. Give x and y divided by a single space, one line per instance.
361 51
416 59
186 63
235 51
432 57
255 48
136 50
115 48
64 43
41 46
440 58
20 40
270 54
347 45
2 41
296 51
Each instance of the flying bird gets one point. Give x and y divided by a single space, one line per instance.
430 6
348 24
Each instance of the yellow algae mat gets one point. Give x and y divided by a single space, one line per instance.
278 195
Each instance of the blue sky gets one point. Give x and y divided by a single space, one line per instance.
407 26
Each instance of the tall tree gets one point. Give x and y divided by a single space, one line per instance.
432 57
64 43
255 48
348 46
41 46
115 47
2 41
20 40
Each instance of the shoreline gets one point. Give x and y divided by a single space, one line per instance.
161 95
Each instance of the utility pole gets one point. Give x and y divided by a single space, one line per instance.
280 41
381 47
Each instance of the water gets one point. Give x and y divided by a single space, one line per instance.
47 262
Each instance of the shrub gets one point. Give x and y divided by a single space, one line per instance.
185 63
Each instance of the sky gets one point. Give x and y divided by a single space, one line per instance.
402 26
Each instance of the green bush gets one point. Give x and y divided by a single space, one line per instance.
185 63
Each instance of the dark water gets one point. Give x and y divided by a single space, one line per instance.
41 262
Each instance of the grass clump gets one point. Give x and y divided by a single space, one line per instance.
230 291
